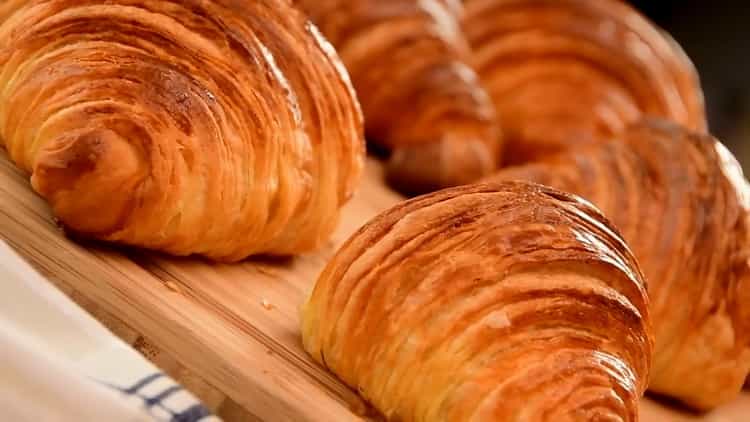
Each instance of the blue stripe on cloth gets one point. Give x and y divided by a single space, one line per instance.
192 414
157 399
142 383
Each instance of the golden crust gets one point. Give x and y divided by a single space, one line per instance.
681 202
408 62
571 72
502 301
223 128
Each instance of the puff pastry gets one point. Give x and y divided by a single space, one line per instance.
569 72
408 62
217 127
682 203
488 302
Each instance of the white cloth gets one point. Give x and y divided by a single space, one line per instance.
57 363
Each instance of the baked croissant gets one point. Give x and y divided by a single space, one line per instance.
682 203
407 60
570 72
217 127
488 302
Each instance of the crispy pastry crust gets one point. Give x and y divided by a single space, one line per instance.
408 61
682 203
216 127
488 302
570 72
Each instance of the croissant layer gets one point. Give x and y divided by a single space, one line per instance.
216 127
569 72
683 205
421 100
489 302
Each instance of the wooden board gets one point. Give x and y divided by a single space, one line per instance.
235 326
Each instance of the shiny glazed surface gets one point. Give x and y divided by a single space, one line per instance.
408 62
224 127
487 302
683 205
564 73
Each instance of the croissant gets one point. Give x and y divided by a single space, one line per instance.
487 302
564 73
408 63
682 203
217 127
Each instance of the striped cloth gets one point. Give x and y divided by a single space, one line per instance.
60 364
165 400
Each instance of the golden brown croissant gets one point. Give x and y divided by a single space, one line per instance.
571 72
682 203
216 127
407 59
488 302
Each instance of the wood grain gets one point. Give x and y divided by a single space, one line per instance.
234 327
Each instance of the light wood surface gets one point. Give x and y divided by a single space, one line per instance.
234 327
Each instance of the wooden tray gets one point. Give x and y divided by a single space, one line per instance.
235 326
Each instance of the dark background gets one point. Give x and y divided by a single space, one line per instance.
716 35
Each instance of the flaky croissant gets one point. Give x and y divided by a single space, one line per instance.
682 203
570 72
488 302
216 127
407 59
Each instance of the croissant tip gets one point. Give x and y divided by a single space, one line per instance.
78 175
420 168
